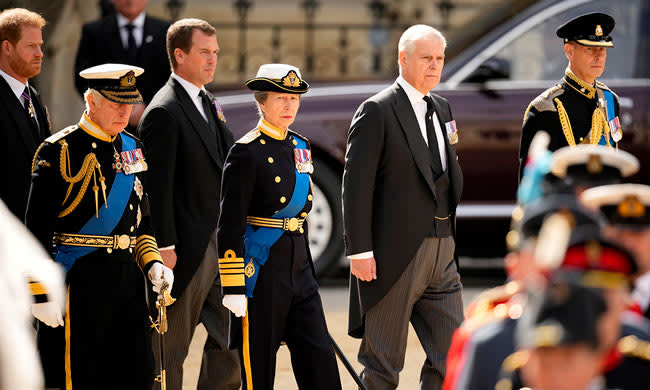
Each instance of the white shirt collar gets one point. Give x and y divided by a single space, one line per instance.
16 86
415 96
138 22
190 88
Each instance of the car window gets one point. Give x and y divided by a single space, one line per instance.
538 53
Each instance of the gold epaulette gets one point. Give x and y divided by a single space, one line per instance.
249 137
544 102
601 85
51 140
60 134
634 347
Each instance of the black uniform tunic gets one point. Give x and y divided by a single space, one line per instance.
575 97
106 341
258 180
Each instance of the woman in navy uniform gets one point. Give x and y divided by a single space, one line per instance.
264 259
88 207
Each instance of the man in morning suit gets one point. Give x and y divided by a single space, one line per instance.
23 118
129 36
186 140
401 185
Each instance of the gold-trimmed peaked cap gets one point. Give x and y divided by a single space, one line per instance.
591 29
116 82
278 78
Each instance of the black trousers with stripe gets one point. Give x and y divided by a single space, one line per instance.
286 306
106 342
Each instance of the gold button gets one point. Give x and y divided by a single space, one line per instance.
132 228
302 230
94 145
109 250
295 142
270 160
309 197
303 214
277 179
262 141
283 199
130 250
130 206
580 139
276 211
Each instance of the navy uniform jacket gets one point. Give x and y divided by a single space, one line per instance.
566 112
258 180
106 295
56 205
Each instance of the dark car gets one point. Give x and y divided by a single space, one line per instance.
489 85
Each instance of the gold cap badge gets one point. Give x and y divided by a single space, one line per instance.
128 80
291 80
631 207
594 165
599 31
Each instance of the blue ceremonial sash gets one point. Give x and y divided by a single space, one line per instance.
257 243
609 100
107 218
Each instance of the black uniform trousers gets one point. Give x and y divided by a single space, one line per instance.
286 306
106 319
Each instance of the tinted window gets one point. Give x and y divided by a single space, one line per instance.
538 53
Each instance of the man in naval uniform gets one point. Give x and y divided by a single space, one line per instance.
88 207
579 109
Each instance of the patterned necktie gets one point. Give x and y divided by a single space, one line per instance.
29 108
436 163
132 48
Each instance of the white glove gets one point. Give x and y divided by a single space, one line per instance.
48 313
236 303
159 273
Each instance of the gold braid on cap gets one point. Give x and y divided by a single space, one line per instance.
564 121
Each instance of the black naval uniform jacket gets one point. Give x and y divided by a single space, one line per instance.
19 142
389 199
106 310
258 180
565 111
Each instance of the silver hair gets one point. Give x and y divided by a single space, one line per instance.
260 97
97 98
416 33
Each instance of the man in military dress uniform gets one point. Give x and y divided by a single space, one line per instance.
626 208
88 206
579 109
265 263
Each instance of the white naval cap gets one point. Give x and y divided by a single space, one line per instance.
116 82
624 205
593 160
278 78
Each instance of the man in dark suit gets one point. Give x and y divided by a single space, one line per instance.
127 37
186 141
401 185
23 119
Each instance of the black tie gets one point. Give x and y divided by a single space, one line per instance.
31 113
207 106
436 163
132 49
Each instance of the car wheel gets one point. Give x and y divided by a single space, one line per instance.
325 219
